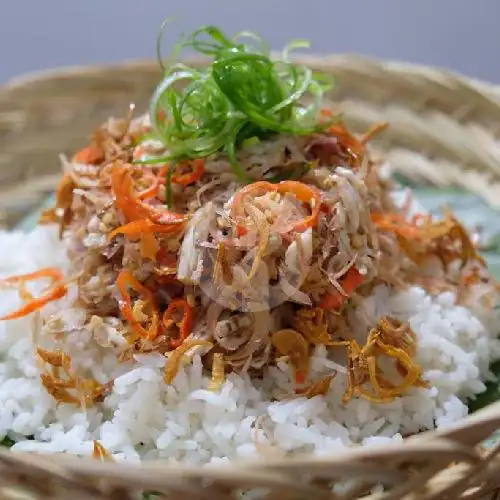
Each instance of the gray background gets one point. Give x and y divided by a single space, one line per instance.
463 35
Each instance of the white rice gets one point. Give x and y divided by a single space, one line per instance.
143 418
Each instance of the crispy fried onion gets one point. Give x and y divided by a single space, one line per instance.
176 357
389 338
64 201
222 272
99 452
293 345
86 392
423 237
49 216
311 323
218 372
319 387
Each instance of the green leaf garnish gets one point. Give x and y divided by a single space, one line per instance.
241 94
491 394
251 141
7 442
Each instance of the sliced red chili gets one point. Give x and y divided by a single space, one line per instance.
57 291
303 192
125 281
334 300
196 169
185 325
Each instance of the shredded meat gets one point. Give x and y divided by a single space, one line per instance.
227 268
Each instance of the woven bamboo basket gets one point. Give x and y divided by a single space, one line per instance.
443 131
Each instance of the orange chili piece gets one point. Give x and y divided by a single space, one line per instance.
138 227
303 192
352 144
197 170
163 173
166 270
166 259
249 191
148 246
56 292
128 280
300 377
306 194
52 273
334 300
185 325
144 219
123 189
150 191
133 208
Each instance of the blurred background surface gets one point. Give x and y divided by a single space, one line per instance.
462 35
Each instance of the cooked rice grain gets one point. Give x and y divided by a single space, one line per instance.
143 418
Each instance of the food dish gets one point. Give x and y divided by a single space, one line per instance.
332 221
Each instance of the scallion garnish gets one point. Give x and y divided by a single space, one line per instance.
241 95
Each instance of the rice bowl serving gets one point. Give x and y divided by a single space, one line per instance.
233 276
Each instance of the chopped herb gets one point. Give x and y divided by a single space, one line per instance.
251 141
7 442
243 94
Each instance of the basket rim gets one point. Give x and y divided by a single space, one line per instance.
329 59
